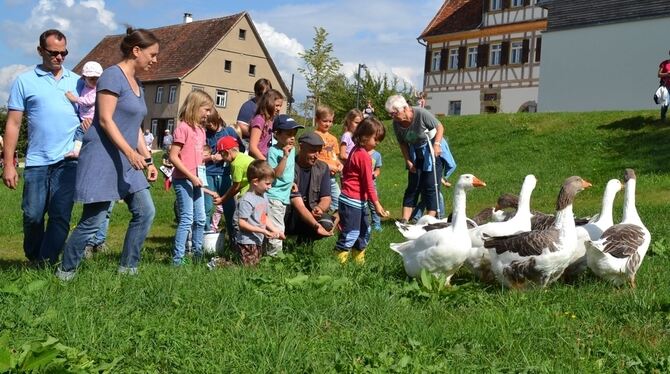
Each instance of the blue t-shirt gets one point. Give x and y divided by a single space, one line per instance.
247 111
220 168
376 161
52 118
281 187
104 173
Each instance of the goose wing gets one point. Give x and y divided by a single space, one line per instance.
531 243
622 240
542 221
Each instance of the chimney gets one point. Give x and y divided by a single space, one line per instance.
188 18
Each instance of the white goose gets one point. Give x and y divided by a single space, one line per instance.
538 256
479 260
619 252
593 230
441 251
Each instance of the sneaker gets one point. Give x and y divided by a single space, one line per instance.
101 248
218 262
127 271
65 276
88 251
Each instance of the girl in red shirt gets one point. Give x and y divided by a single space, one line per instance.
357 189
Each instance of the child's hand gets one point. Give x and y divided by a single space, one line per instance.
287 149
70 96
195 181
381 211
294 188
218 200
317 212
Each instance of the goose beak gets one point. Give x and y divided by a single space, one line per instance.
586 184
476 182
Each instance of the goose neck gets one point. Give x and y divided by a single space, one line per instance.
459 209
629 209
565 218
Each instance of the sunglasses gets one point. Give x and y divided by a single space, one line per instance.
56 53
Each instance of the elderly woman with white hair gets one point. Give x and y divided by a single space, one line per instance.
415 127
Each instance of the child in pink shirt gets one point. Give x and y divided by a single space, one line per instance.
86 101
189 175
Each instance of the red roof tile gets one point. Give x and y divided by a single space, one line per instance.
455 16
182 47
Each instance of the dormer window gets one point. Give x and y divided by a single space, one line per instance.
243 34
495 5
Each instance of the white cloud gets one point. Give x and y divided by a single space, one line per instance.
379 33
7 76
81 21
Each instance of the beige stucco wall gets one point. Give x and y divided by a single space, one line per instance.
238 82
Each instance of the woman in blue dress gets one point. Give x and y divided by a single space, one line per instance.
113 157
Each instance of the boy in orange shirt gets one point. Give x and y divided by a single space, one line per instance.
330 151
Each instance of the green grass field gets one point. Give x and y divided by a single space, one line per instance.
306 313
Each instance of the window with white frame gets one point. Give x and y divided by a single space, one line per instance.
170 125
159 95
435 62
453 58
495 5
154 126
172 95
515 52
472 57
496 51
517 3
455 108
221 98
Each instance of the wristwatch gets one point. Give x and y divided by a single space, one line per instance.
149 161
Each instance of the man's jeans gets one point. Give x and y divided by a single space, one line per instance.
47 190
93 216
191 206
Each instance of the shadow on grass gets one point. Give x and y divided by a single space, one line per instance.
643 146
13 264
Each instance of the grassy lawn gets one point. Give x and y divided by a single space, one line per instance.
306 313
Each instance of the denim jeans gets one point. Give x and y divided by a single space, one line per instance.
334 194
47 190
141 207
220 184
424 184
191 218
101 235
418 210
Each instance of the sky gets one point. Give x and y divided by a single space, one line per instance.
382 34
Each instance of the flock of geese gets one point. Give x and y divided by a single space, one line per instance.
529 248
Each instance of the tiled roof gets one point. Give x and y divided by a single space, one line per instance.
455 16
580 13
182 47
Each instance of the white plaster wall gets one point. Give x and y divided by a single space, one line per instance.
608 67
511 99
439 101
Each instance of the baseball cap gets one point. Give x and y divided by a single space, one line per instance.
91 69
311 138
284 122
226 143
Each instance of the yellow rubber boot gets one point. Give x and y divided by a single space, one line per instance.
342 256
358 256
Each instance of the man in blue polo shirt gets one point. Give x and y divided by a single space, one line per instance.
48 177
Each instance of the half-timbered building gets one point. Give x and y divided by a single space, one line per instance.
483 56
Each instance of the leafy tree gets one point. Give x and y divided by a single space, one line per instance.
320 64
23 132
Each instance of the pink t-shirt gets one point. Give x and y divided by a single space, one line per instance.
192 141
259 122
86 102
